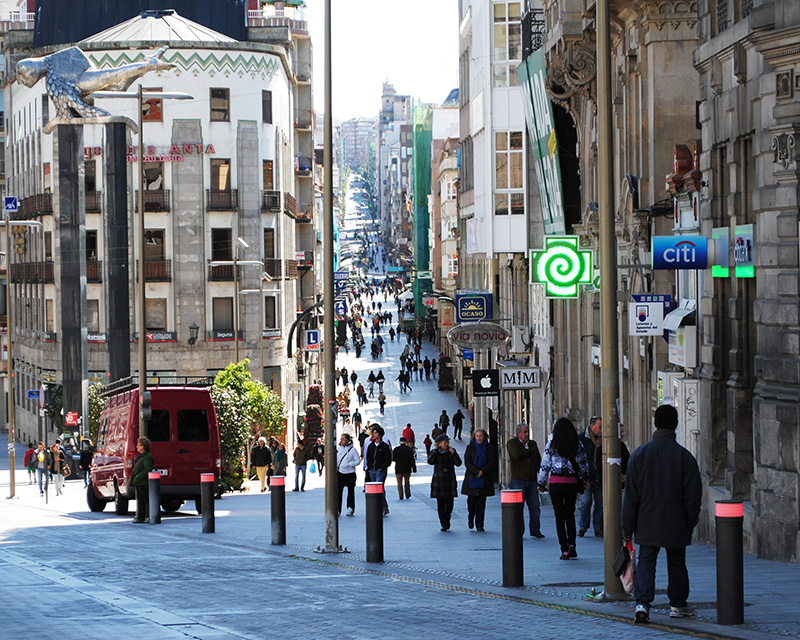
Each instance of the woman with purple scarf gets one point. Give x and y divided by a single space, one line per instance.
481 463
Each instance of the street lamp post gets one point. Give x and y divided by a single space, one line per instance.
265 277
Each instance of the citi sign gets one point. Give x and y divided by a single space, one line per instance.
679 252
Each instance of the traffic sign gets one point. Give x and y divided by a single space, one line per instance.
312 339
11 204
519 378
72 418
340 308
485 382
42 396
33 394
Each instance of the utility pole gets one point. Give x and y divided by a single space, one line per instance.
609 339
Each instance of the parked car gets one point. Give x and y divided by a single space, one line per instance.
184 441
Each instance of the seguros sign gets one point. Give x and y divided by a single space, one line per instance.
478 335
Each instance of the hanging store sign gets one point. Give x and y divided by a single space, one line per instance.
478 335
720 237
473 306
561 266
743 251
646 314
679 252
152 153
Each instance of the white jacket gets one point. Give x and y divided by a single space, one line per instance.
347 459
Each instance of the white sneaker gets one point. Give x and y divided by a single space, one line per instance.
350 512
681 612
642 615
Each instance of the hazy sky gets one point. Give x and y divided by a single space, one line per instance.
411 43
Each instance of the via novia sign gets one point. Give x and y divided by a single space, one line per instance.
478 335
473 306
312 339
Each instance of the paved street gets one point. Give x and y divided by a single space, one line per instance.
99 576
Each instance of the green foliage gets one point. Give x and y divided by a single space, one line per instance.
313 428
446 381
246 409
96 405
54 405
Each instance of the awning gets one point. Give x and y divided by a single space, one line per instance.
675 319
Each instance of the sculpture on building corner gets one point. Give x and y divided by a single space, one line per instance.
71 77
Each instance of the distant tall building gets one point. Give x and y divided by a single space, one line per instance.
358 141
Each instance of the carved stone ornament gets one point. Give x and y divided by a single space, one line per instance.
70 77
573 73
783 149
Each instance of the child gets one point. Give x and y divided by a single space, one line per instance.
30 463
427 442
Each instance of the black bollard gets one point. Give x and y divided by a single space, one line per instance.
374 511
513 530
207 501
278 507
730 561
154 486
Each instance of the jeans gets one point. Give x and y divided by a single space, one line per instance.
530 494
379 475
594 494
41 473
86 473
644 584
563 496
298 469
347 480
476 510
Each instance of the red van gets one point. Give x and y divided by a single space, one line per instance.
184 441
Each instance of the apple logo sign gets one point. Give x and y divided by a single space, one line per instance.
486 382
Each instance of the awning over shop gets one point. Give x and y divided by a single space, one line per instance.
684 314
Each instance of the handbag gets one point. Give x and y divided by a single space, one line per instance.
65 470
581 485
629 572
622 560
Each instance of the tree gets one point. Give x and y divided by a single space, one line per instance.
246 409
54 403
96 406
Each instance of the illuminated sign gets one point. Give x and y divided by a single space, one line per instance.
679 252
561 267
743 251
473 307
721 239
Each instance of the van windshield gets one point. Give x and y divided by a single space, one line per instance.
192 425
158 426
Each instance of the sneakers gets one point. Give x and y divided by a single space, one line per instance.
642 615
564 556
350 512
573 553
537 534
681 612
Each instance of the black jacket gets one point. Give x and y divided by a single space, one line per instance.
489 471
663 491
443 483
261 456
403 457
378 457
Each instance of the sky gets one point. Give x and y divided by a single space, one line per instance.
411 43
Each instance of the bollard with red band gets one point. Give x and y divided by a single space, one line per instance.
154 489
207 501
730 561
374 511
277 486
513 530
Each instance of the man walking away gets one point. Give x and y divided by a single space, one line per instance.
444 421
379 457
261 458
458 424
525 460
660 508
592 445
404 466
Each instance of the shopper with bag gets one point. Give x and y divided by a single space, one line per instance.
564 464
660 508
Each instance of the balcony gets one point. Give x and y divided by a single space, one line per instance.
303 166
156 270
155 200
302 71
533 32
32 272
308 260
290 205
220 273
222 200
94 270
291 269
292 17
305 212
271 201
33 206
94 201
303 119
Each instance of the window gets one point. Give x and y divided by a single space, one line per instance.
158 426
269 244
153 176
49 317
507 39
193 425
509 195
90 169
48 245
47 177
91 244
156 314
449 190
45 109
221 174
266 107
269 176
220 105
93 316
222 310
271 312
154 245
152 108
221 244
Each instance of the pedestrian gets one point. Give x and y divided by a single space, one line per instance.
362 438
361 394
319 455
427 442
436 431
382 402
409 435
261 458
280 460
480 461
524 459
426 364
444 421
401 379
378 459
29 462
347 459
380 379
661 507
391 333
408 381
458 423
57 460
353 378
404 466
443 484
42 465
564 463
356 418
139 480
593 496
85 461
300 459
344 376
434 364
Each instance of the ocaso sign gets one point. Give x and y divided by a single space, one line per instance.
478 335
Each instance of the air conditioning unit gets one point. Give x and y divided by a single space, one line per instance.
686 392
520 339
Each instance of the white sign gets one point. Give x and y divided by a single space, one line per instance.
683 347
519 378
424 275
478 335
645 318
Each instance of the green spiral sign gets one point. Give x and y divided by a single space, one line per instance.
561 266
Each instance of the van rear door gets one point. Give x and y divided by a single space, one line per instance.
194 438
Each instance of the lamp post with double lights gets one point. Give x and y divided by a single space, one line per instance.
12 437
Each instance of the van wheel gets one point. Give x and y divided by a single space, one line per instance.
198 505
96 505
120 503
171 504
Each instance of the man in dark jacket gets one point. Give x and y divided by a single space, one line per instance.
660 508
593 496
404 466
444 421
379 457
525 459
458 424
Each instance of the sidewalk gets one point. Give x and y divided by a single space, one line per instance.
462 560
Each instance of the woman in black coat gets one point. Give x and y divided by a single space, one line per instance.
481 463
444 487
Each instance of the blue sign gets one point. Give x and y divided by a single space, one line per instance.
473 307
11 204
468 354
312 339
341 275
679 252
340 308
33 394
